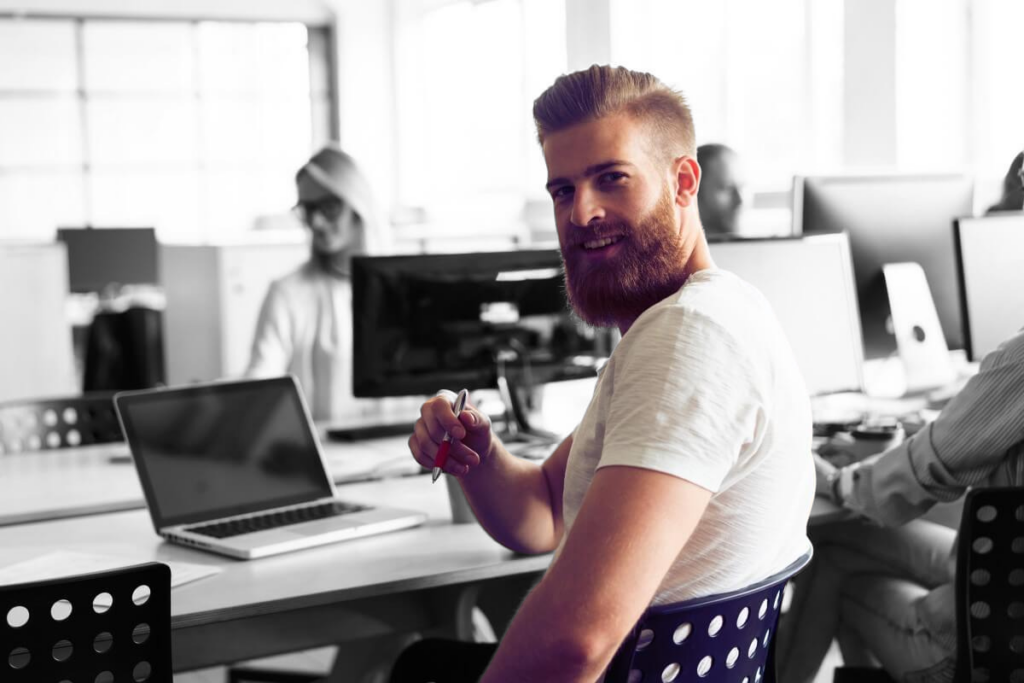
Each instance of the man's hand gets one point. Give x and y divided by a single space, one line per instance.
472 439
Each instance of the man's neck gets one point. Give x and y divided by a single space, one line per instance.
698 260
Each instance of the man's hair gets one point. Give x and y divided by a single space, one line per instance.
602 91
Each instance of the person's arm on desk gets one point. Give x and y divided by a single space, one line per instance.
518 502
965 444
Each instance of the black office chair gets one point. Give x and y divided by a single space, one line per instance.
989 592
716 638
53 423
990 586
105 627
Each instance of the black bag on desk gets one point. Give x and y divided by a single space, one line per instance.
124 351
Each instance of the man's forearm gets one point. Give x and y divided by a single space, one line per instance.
559 653
512 501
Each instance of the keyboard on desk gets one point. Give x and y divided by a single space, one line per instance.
273 520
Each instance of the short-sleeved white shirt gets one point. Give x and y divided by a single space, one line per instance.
704 387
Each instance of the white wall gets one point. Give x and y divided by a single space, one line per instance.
588 32
869 92
366 101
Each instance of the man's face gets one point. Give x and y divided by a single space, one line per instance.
722 194
331 221
619 224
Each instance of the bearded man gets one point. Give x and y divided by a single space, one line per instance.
690 473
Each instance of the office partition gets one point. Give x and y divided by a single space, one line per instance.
36 358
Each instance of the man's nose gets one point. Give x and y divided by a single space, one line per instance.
585 207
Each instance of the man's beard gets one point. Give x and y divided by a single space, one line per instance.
650 266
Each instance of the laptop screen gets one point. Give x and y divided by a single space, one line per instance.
216 450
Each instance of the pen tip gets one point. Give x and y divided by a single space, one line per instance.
436 474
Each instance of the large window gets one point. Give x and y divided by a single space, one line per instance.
762 77
765 78
959 100
997 96
466 78
193 127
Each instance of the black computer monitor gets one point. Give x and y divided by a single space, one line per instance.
98 257
476 320
891 219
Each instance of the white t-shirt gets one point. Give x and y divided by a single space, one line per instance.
704 387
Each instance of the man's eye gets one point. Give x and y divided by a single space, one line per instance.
561 192
612 177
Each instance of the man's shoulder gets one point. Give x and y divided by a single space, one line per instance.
710 299
718 289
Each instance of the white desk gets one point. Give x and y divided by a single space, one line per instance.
98 479
403 581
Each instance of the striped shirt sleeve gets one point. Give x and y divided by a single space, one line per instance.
978 438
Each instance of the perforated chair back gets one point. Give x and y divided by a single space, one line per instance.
990 586
58 423
727 637
104 627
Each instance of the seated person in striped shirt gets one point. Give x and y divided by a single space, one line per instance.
883 583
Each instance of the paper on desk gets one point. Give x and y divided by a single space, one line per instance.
60 563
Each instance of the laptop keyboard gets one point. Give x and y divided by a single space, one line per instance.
246 525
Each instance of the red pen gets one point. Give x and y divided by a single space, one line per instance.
446 442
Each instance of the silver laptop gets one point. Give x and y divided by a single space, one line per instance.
236 468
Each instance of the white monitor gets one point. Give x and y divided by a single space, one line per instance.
809 283
990 260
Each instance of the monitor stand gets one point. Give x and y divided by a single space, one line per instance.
922 347
517 423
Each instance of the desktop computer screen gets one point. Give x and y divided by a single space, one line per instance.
474 320
809 283
990 260
891 219
98 257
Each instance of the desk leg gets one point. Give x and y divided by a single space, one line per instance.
452 607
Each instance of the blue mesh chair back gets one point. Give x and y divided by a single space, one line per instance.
990 586
103 627
53 423
727 637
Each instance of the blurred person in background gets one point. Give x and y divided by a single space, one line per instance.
1013 188
305 324
722 196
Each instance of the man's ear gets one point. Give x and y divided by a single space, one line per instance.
687 172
